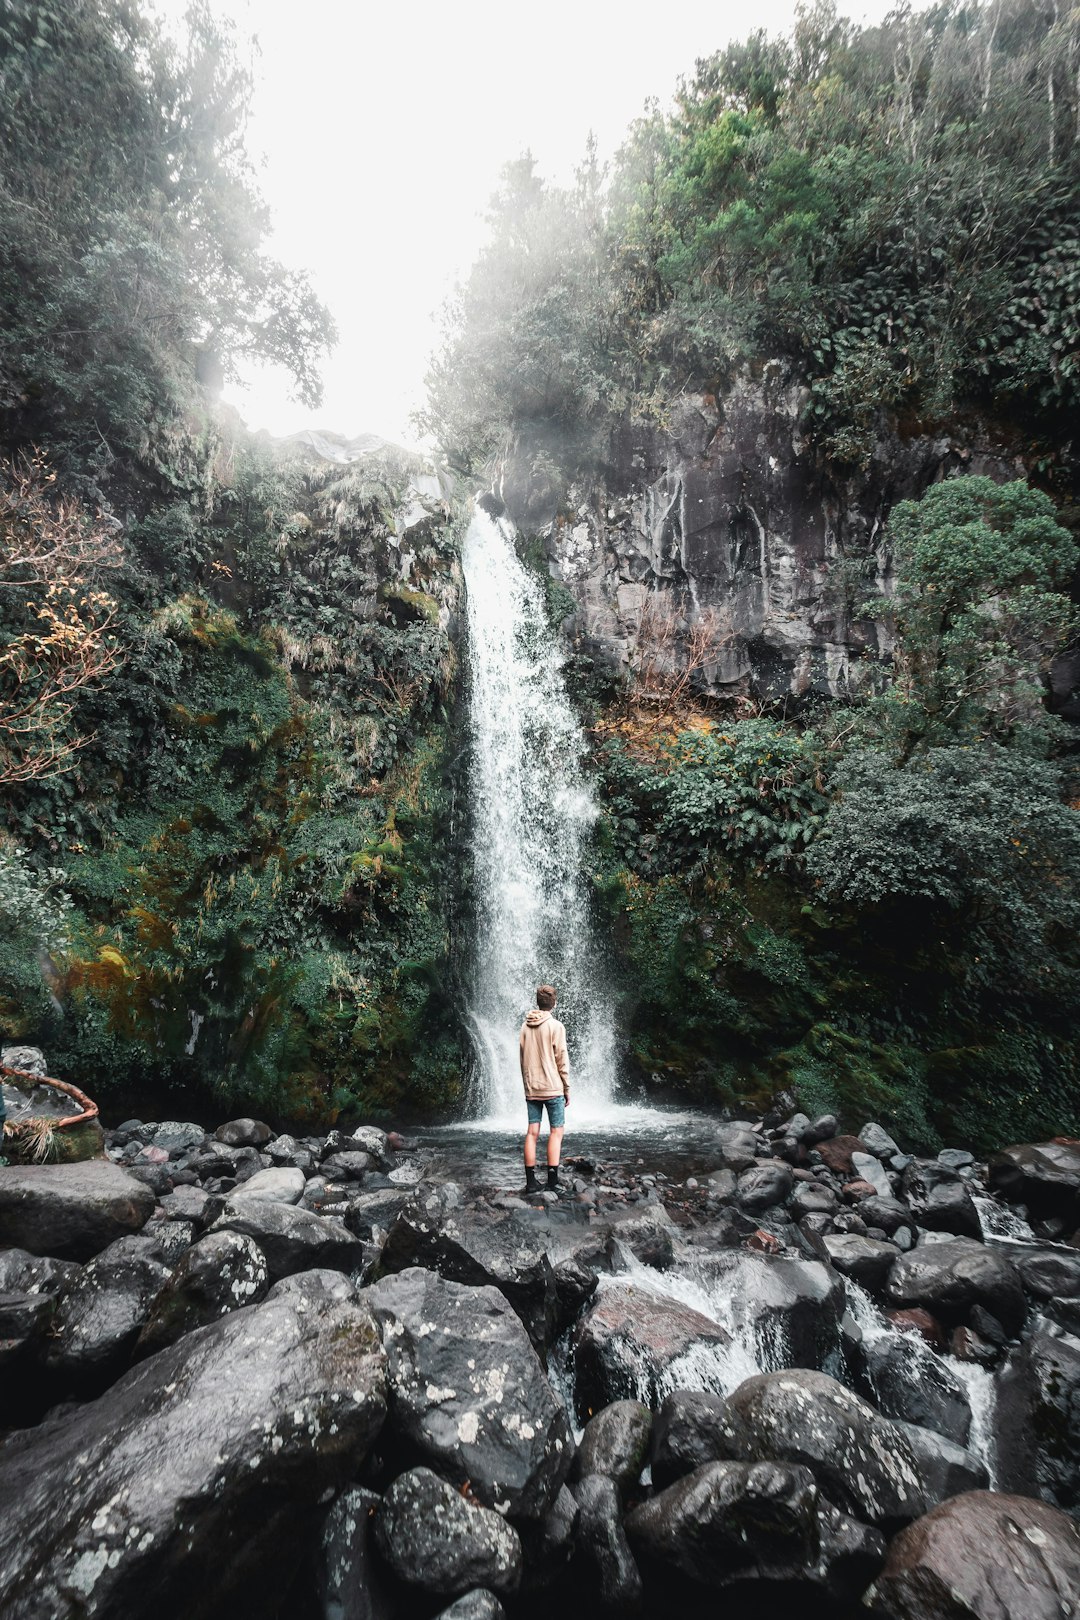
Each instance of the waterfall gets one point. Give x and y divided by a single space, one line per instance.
532 815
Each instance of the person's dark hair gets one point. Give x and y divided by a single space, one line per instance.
545 997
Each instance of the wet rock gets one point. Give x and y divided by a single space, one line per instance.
98 1320
850 1554
888 1213
292 1239
467 1392
862 1259
981 1556
648 1236
836 1153
810 1198
939 1200
878 1141
212 1455
348 1166
956 1158
738 1145
629 1343
481 1250
281 1185
967 1345
156 1177
1043 1175
948 1278
947 1467
602 1544
1049 1273
915 1387
916 1320
185 1204
70 1211
763 1187
821 1130
434 1540
222 1273
616 1443
1039 1417
24 1273
694 1427
794 1304
243 1133
369 1139
349 1583
374 1212
862 1461
476 1605
548 1543
731 1519
722 1185
177 1137
575 1282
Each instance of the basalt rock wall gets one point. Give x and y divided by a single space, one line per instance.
727 516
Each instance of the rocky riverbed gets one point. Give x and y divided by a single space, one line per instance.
248 1373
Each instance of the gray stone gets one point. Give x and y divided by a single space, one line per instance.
347 1166
731 1519
907 1382
1043 1175
467 1392
602 1544
70 1211
878 1141
282 1185
868 1167
946 1466
939 1200
177 1137
185 1204
349 1583
24 1273
243 1133
764 1186
1038 1417
292 1239
862 1259
433 1539
476 1605
248 1422
98 1319
629 1344
982 1556
949 1277
223 1272
862 1461
694 1427
24 1059
616 1443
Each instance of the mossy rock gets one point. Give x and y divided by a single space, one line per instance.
407 605
68 1145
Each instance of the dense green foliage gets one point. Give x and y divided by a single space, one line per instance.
231 879
131 234
882 911
894 210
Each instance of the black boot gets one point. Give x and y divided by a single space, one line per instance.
553 1178
531 1183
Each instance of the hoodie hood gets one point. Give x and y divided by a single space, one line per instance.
534 1016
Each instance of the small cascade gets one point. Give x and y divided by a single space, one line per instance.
999 1223
981 1387
532 815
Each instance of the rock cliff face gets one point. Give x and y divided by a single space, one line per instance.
727 518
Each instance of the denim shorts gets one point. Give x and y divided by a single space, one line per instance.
556 1107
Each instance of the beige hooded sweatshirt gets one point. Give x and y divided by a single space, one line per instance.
545 1067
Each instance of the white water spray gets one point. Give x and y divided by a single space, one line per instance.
532 814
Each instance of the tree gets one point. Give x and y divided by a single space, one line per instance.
56 622
977 610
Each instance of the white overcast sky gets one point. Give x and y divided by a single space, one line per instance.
380 129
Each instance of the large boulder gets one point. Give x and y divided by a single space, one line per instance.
221 1273
281 1184
939 1199
616 1443
375 1212
908 1382
947 1468
98 1320
243 1133
292 1239
731 1520
692 1427
602 1548
862 1461
792 1308
1038 1416
629 1344
71 1211
764 1186
865 1260
212 1456
433 1539
949 1278
349 1583
467 1392
481 1250
982 1556
1043 1175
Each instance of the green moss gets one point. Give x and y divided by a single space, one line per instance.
406 604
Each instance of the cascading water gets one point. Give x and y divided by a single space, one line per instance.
532 814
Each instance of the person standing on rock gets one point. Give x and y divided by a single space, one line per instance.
545 1074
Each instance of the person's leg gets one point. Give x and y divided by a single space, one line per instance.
536 1114
557 1119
